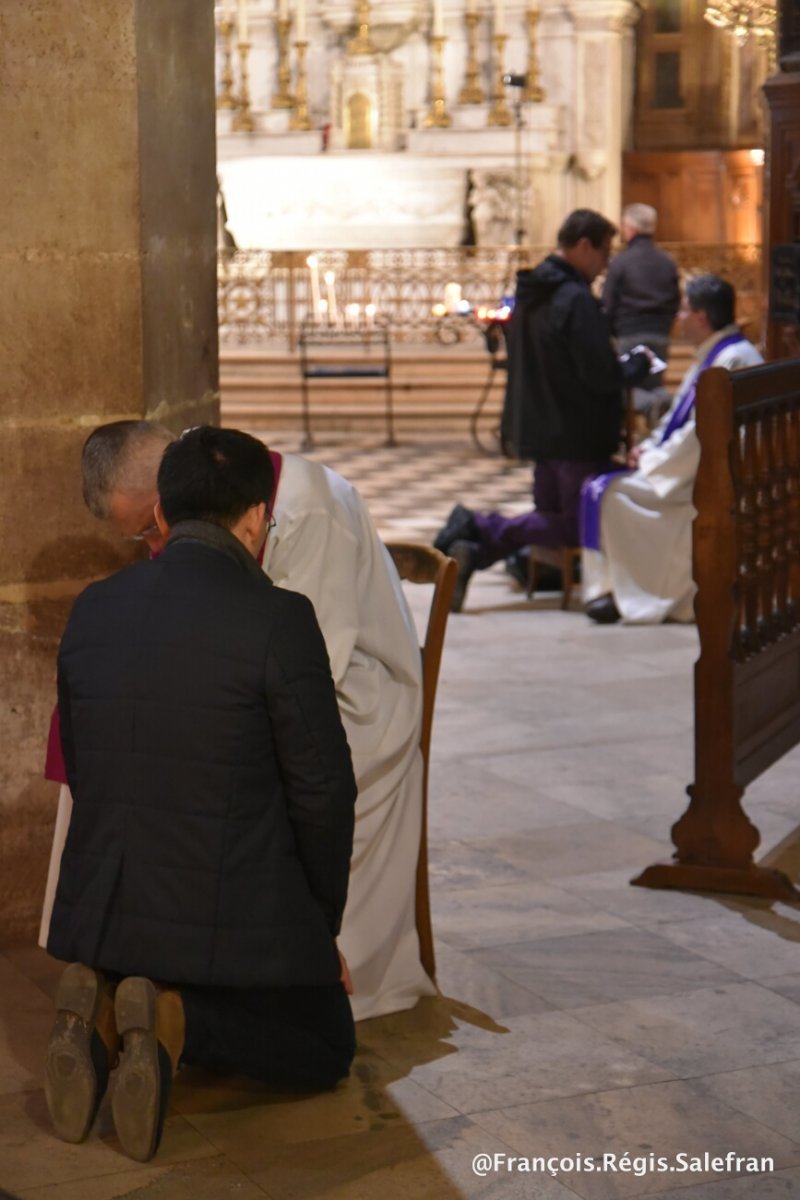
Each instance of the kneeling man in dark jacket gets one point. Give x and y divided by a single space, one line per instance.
205 869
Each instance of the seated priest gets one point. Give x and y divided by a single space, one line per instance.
325 546
204 875
637 524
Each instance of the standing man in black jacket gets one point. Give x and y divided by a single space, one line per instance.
563 401
641 297
205 870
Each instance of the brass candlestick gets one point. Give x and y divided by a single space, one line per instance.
361 43
472 92
283 98
438 116
300 118
533 92
243 121
226 98
499 113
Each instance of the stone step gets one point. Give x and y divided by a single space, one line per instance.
432 389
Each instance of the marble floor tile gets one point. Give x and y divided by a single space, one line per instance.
647 907
456 865
460 975
705 1031
780 1185
209 1179
769 1095
754 942
535 1057
611 964
471 918
432 1162
375 1095
784 985
32 1156
638 1122
460 800
592 845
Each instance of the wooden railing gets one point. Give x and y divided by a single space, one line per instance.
264 295
746 556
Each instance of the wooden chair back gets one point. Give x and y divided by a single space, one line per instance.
422 564
746 558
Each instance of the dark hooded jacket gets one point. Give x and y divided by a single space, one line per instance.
213 790
564 396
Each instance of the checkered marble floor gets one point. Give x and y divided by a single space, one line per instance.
411 488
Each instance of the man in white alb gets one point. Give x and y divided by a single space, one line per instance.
323 545
637 525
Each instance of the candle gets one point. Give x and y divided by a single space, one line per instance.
452 297
330 280
369 312
301 20
352 313
472 6
499 17
438 18
283 9
229 10
242 21
323 309
311 263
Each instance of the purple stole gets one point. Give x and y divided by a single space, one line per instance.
594 488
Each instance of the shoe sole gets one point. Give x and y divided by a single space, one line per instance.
70 1079
136 1102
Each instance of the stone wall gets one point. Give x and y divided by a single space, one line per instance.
108 310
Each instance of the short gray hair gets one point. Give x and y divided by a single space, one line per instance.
122 456
643 218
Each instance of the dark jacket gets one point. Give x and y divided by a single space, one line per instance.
213 791
641 293
564 394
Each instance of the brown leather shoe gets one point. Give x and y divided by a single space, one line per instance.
81 1051
152 1026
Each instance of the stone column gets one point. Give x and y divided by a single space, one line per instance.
603 73
108 310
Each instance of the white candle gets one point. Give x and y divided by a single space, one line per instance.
472 6
301 21
283 9
499 17
311 263
352 313
452 297
369 312
438 18
229 10
330 281
242 21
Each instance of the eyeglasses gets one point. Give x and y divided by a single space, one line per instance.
151 531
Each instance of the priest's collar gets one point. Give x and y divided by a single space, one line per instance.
703 350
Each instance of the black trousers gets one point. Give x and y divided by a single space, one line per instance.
292 1037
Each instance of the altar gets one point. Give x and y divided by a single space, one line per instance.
394 124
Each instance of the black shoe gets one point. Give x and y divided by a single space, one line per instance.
516 566
603 610
81 1051
151 1024
459 527
465 554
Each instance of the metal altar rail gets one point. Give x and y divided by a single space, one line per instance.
264 295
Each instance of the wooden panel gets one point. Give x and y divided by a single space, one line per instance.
701 195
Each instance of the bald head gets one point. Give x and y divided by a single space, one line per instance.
123 456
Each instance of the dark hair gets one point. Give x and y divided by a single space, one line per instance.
214 475
713 296
122 456
585 223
